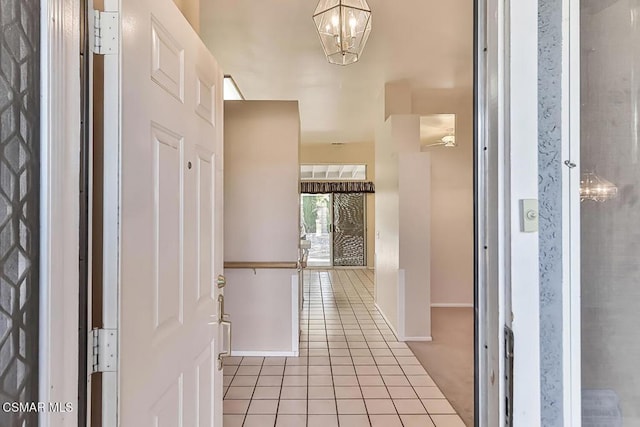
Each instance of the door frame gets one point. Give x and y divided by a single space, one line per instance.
60 210
571 258
506 172
60 116
332 232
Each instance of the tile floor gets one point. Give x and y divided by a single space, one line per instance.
352 371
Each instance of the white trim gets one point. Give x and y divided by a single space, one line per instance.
389 324
295 312
423 339
522 251
451 305
59 207
487 347
493 193
571 349
111 220
265 353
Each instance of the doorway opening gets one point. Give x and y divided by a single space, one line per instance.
315 224
319 136
416 233
334 224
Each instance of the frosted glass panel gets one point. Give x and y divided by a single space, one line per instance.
610 212
349 229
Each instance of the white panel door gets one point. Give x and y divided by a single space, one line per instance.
163 220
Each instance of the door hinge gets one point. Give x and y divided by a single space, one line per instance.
105 350
105 33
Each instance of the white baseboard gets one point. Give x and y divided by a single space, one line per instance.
418 339
265 353
451 305
386 320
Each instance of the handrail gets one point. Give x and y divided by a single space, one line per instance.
261 265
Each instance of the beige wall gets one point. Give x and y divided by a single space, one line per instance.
452 198
445 219
414 185
351 153
191 10
402 228
387 227
261 217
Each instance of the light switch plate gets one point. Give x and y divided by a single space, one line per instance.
529 215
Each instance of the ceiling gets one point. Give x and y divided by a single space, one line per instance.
435 126
272 50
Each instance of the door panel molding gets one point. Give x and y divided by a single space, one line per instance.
167 66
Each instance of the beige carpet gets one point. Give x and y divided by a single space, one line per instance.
449 358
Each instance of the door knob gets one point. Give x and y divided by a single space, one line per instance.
221 281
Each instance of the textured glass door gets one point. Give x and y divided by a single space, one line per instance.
19 210
610 212
349 229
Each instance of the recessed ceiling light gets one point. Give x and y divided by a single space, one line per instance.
231 90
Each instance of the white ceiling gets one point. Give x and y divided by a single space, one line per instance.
272 50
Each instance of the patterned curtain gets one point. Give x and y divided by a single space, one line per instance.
324 187
19 215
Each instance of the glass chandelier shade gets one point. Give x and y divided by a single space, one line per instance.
595 188
344 27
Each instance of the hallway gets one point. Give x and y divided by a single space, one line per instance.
352 371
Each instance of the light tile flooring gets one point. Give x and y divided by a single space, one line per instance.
352 371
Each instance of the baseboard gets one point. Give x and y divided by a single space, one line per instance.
265 353
451 305
386 320
418 339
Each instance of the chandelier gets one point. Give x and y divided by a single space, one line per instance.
595 188
344 27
